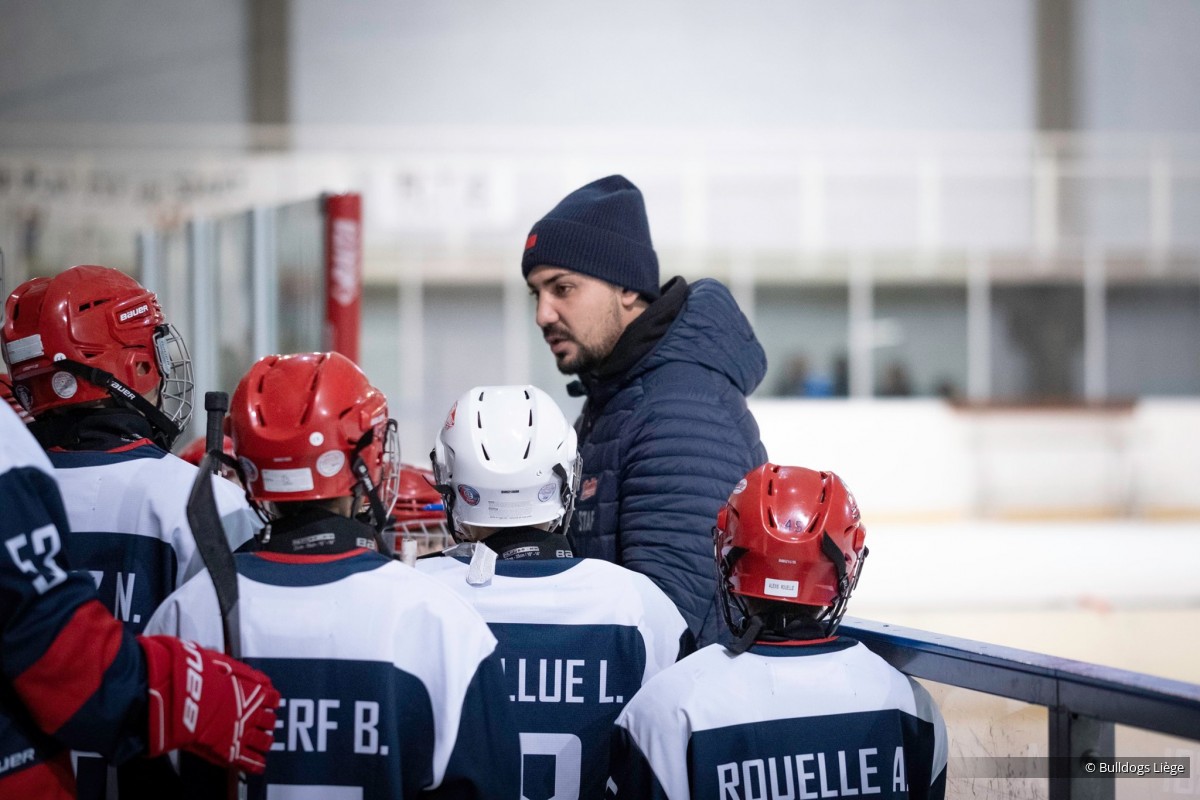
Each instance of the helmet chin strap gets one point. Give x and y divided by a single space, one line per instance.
446 490
754 627
366 486
167 430
845 586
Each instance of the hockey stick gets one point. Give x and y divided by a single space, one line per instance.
205 521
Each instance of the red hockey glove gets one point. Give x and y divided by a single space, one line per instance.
209 704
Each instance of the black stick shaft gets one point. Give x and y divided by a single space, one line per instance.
216 405
210 541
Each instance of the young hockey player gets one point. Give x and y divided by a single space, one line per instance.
389 681
74 677
109 385
577 636
108 382
791 709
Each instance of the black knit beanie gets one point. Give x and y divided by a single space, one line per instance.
600 230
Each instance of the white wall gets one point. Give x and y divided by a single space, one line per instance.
859 64
1138 63
122 62
687 63
923 460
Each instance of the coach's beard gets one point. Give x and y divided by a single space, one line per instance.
583 359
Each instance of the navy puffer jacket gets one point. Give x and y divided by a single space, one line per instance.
664 442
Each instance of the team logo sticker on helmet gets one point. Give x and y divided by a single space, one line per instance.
449 423
468 494
64 385
741 487
331 463
547 491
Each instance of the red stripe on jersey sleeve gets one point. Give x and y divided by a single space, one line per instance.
48 780
70 671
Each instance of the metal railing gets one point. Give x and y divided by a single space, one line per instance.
1084 701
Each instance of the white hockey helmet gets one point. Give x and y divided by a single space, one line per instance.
506 456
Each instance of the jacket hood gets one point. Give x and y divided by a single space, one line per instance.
711 331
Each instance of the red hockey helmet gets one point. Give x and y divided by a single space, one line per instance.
311 427
790 535
93 333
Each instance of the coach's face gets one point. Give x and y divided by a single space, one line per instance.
581 317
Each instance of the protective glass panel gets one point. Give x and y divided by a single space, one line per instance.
300 245
233 307
463 348
996 747
174 290
1161 759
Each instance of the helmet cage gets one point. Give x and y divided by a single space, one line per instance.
374 498
176 388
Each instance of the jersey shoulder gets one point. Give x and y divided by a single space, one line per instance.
671 689
18 448
417 591
632 591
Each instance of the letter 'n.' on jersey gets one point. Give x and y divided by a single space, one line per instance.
127 510
389 682
829 720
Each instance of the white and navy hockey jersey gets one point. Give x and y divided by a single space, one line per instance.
69 669
827 719
578 637
127 509
126 502
389 681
